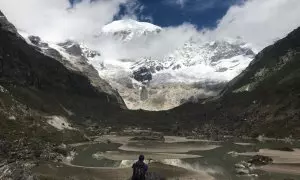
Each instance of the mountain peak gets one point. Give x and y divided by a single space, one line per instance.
129 24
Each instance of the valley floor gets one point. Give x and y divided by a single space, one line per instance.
60 171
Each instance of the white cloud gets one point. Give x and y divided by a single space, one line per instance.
51 20
132 9
260 22
181 2
255 21
157 46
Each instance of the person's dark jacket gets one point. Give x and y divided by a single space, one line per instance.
139 170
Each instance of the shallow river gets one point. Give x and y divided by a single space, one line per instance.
210 159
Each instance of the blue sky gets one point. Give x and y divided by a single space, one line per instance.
202 13
166 14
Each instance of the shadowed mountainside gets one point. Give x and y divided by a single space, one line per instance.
44 84
43 104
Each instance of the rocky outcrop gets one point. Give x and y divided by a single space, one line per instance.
142 75
75 57
260 160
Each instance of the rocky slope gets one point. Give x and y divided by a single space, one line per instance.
44 103
76 57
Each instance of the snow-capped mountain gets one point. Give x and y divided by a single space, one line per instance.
195 69
73 54
129 29
216 61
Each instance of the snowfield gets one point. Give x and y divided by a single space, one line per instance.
59 123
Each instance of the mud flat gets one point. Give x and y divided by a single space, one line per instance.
105 139
244 144
177 139
282 168
119 156
279 157
114 138
61 171
285 162
169 148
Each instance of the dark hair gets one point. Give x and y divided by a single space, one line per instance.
141 157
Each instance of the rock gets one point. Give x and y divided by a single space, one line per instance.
37 41
63 146
17 170
243 165
72 48
143 74
61 150
34 40
108 141
233 153
242 171
239 166
259 160
6 26
13 118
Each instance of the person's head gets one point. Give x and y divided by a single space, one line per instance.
141 158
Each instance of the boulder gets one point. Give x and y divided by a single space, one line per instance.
61 149
259 160
37 41
143 74
242 171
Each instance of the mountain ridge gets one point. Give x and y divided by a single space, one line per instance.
194 62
